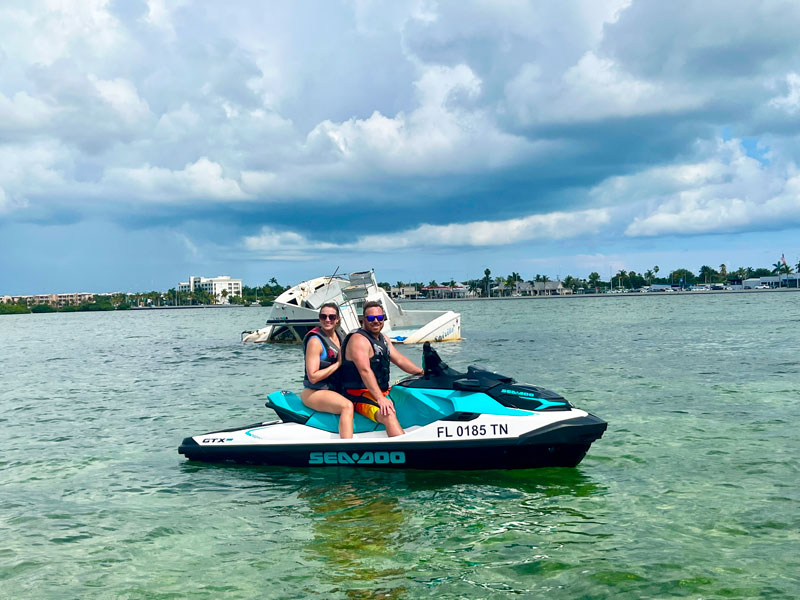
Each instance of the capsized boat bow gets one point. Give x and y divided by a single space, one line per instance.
296 311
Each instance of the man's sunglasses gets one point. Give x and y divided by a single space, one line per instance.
329 317
372 318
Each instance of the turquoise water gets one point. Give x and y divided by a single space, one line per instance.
693 492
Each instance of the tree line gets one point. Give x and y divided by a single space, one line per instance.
264 295
484 286
489 285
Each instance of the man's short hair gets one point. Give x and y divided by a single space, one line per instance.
372 304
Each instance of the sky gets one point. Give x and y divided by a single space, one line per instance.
145 141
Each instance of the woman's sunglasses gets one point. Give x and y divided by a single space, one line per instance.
329 317
372 318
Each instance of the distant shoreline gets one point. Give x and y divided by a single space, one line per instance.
189 306
603 295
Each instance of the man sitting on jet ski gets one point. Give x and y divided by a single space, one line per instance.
364 373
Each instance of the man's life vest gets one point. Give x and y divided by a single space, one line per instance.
350 378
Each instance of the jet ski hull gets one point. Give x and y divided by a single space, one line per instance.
451 420
559 444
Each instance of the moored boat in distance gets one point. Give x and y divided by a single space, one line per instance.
296 311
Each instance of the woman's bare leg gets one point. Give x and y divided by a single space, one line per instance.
331 402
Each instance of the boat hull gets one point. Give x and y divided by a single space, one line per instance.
296 311
559 444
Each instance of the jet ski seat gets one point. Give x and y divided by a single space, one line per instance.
411 410
291 409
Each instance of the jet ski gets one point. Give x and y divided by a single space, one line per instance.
452 420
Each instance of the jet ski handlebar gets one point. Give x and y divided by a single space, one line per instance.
432 364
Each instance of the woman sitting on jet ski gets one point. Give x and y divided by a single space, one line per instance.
323 358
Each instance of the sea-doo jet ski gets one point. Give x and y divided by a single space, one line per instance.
452 420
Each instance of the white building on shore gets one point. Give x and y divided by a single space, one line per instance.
214 286
54 300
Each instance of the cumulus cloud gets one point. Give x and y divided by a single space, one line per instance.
271 239
444 135
23 112
438 136
595 88
203 179
28 170
790 102
159 15
730 192
551 226
122 96
529 121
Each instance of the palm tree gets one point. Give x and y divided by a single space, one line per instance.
784 269
620 274
723 271
655 270
706 273
648 275
486 273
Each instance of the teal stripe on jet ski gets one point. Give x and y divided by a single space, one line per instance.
420 406
414 406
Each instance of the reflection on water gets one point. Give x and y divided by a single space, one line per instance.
383 534
548 482
356 526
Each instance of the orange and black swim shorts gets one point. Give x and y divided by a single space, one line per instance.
364 404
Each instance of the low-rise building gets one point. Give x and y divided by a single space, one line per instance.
445 291
523 288
406 291
761 282
63 300
214 286
548 288
54 300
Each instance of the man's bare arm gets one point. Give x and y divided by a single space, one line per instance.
402 361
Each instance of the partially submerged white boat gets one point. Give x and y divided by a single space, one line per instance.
296 311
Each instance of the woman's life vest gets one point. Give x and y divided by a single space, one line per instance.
350 378
328 356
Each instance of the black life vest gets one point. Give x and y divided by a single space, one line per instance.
350 378
331 354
